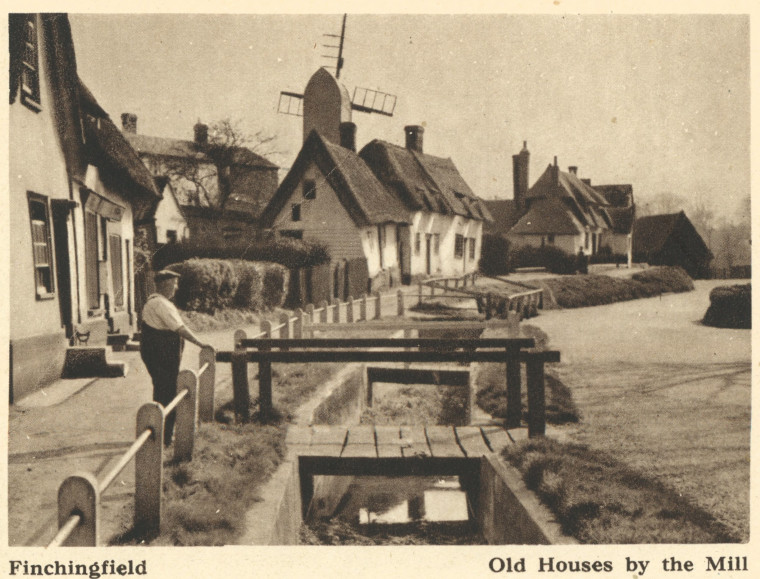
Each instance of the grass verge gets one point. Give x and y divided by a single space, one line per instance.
599 500
491 393
593 290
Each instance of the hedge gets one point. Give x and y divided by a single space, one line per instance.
730 307
208 285
292 253
550 257
494 255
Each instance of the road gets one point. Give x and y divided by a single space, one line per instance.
664 393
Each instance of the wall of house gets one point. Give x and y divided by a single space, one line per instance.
36 164
568 243
169 218
325 220
620 243
444 262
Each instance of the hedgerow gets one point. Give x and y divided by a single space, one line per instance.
730 307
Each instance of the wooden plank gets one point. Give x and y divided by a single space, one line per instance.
326 441
361 441
419 376
518 434
443 442
471 440
497 437
388 441
414 441
298 436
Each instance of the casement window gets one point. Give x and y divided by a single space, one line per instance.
114 247
39 217
295 212
371 240
171 236
586 240
25 60
472 247
417 243
436 243
459 246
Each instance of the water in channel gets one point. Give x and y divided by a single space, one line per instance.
380 510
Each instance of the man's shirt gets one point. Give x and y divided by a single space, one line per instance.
161 314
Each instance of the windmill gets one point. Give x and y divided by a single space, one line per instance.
326 103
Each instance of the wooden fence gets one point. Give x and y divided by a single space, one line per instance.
80 494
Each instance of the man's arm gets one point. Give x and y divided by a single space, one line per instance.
185 332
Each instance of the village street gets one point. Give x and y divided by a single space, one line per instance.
664 393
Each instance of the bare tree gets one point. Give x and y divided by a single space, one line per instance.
202 171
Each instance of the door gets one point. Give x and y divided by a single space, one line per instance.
403 239
61 211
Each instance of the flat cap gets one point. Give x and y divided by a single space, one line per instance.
165 274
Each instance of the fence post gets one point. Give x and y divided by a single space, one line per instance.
400 303
419 293
309 309
187 412
350 309
336 311
514 387
298 324
378 305
266 327
237 337
79 494
285 329
240 393
534 363
363 308
207 385
265 387
323 313
149 472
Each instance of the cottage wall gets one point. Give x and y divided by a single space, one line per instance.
444 262
36 164
169 218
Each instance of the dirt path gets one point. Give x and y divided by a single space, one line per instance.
670 396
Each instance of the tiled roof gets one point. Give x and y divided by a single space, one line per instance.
168 147
504 215
547 216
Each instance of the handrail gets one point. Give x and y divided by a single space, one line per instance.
66 530
173 404
205 367
126 457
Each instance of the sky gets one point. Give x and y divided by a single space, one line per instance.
658 101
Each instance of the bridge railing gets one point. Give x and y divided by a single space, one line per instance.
79 495
511 351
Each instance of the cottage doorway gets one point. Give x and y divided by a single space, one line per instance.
61 212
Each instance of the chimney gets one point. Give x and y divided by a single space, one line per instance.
555 172
414 137
129 123
587 181
520 165
201 133
573 169
348 136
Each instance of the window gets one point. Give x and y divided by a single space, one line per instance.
371 240
41 247
30 73
171 235
295 212
459 246
585 242
116 270
472 248
417 243
309 189
436 243
551 238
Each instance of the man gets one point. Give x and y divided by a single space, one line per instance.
163 335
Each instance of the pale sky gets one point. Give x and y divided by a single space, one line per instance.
661 102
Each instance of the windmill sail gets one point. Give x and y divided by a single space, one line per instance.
291 103
367 100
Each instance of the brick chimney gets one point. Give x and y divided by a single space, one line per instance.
348 136
129 123
555 172
573 169
520 165
414 137
201 133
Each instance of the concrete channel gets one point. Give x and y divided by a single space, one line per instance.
506 512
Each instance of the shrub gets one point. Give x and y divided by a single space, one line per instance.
292 253
730 307
208 285
550 257
494 256
665 279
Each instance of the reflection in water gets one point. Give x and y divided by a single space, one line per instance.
444 501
